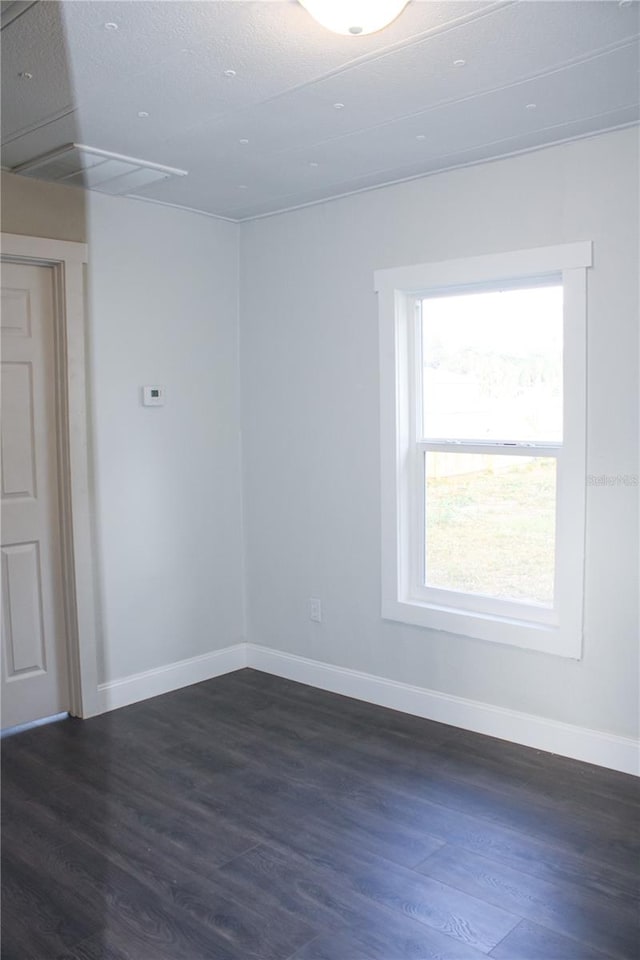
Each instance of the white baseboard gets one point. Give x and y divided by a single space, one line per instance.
565 739
172 676
579 743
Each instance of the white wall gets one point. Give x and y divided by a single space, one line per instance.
309 358
163 287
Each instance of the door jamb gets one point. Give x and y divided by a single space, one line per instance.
68 261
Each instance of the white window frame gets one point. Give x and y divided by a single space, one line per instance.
404 596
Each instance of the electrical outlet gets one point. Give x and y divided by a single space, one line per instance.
315 610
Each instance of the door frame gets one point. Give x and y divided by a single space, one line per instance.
68 261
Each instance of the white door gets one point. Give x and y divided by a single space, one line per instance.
34 668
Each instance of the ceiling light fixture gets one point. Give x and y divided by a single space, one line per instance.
354 17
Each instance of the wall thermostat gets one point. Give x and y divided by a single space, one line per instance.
153 396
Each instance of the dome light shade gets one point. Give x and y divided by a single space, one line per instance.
354 17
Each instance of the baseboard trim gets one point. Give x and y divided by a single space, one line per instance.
567 740
172 676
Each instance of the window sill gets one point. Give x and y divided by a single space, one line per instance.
544 638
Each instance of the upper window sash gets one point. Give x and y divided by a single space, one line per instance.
522 318
524 448
499 284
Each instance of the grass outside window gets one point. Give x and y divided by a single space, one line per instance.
491 525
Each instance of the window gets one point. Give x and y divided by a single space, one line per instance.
483 446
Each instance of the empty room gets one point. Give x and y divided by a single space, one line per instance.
320 464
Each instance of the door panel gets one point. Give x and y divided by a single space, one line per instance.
34 668
18 441
22 600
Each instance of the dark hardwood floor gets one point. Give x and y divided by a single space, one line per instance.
252 817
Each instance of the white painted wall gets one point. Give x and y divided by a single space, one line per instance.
163 289
309 357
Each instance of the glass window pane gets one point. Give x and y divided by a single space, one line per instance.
492 365
490 525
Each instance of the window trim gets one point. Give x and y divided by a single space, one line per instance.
398 289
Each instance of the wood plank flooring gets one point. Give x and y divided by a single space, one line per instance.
251 817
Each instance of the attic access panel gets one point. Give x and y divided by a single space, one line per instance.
80 166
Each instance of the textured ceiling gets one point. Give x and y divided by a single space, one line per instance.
533 73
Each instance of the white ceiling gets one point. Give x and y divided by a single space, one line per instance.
534 73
